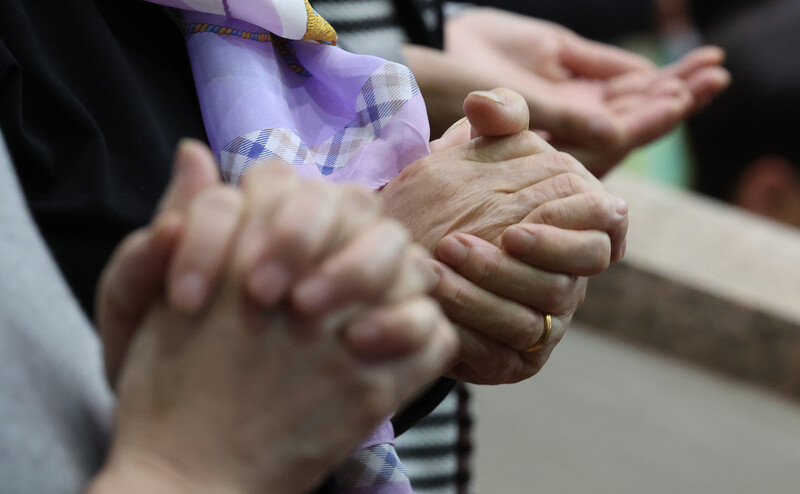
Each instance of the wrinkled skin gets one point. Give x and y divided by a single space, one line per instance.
515 226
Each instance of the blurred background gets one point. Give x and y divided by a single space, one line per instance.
682 370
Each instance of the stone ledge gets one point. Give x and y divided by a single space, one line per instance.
695 286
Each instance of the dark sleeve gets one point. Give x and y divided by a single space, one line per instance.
422 406
94 97
708 13
422 21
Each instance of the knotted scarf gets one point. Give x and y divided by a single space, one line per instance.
272 85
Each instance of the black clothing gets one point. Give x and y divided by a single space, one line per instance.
605 21
710 13
94 97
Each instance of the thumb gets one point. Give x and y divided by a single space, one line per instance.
130 283
194 170
496 113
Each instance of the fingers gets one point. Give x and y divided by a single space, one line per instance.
702 72
458 133
646 118
498 112
483 360
130 283
571 123
467 304
416 275
394 331
292 225
638 108
580 253
194 169
707 56
362 270
594 60
494 333
136 273
208 238
564 177
433 359
493 271
589 211
632 83
295 239
705 84
266 187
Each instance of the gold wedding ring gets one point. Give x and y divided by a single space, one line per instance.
548 328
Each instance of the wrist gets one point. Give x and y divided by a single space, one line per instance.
129 471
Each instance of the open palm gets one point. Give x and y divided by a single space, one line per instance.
597 101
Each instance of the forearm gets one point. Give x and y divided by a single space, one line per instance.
444 83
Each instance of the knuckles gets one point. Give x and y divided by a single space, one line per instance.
530 141
567 162
560 296
487 265
219 199
569 184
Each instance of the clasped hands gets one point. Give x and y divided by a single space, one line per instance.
516 227
300 293
293 320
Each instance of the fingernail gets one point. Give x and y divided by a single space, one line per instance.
452 251
493 97
189 292
268 283
313 295
519 239
455 126
620 205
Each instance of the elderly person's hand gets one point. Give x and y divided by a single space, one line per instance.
596 101
237 395
486 184
544 224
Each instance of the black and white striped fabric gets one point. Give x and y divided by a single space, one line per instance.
381 27
437 450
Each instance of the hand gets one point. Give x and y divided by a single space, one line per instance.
484 185
229 397
498 297
596 101
148 260
236 399
134 277
327 252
